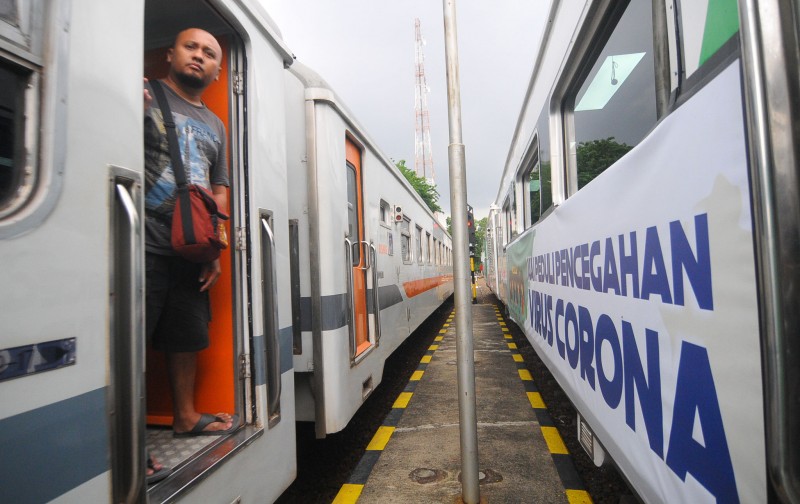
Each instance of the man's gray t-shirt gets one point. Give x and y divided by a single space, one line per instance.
202 144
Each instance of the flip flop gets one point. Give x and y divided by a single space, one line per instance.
158 474
205 420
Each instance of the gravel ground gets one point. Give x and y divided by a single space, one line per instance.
325 464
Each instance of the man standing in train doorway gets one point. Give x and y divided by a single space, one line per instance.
177 302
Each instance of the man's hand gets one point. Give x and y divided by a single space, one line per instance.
147 98
209 274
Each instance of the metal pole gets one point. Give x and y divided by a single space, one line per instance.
468 425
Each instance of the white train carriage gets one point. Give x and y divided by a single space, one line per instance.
374 262
74 422
645 237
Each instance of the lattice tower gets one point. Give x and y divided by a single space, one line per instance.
423 155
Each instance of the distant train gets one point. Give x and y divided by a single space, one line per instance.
646 236
334 258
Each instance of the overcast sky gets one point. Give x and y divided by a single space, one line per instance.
365 50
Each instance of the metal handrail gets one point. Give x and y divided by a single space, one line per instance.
348 245
269 286
376 303
135 414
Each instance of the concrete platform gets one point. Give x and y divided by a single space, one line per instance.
415 456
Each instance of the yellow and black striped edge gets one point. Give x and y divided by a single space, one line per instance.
573 485
351 491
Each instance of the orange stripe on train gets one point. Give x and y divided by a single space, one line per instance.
417 287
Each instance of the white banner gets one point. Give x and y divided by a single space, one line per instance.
639 292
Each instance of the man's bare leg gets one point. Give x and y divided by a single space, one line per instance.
182 369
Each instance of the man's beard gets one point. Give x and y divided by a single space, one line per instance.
191 81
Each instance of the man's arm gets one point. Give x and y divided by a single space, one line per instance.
220 193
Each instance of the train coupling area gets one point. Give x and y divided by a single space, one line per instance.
414 457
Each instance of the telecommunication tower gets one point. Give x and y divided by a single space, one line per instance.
423 156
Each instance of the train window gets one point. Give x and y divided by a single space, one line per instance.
352 212
19 104
613 105
418 238
12 122
543 154
386 214
510 211
705 27
352 222
530 183
428 247
405 239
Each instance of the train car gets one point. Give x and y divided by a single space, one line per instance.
374 260
77 417
645 238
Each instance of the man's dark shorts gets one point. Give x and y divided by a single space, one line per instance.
177 312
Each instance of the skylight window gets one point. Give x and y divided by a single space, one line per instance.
609 78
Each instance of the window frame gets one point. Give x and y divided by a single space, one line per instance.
428 248
39 182
529 163
601 20
385 215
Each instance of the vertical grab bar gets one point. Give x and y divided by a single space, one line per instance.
128 328
363 248
269 302
348 245
376 302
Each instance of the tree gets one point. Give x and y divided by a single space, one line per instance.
480 238
449 226
597 155
426 190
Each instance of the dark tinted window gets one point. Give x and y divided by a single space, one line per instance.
12 122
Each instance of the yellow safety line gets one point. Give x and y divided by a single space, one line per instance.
380 438
417 375
402 400
512 346
517 357
505 329
348 494
536 400
438 338
425 359
508 336
525 375
442 331
578 497
502 324
433 348
553 440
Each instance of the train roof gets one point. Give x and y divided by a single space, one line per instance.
318 89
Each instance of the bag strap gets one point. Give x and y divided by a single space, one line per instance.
172 133
177 162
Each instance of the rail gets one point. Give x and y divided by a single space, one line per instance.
376 302
351 315
128 332
269 292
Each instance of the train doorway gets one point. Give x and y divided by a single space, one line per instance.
218 387
359 250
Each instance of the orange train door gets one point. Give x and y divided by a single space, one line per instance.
358 247
215 384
